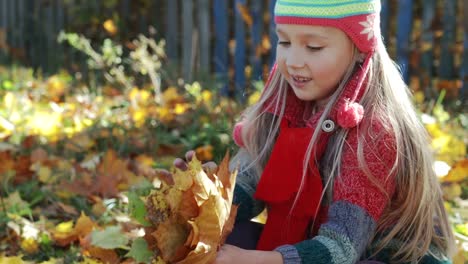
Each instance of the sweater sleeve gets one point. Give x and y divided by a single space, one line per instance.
244 190
357 204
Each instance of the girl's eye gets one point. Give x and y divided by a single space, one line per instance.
314 48
284 43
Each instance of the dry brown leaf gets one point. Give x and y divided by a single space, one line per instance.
22 168
38 155
67 209
84 225
183 179
229 225
171 236
104 255
188 206
223 172
194 216
173 197
157 207
194 236
209 221
64 239
200 255
112 172
7 163
203 187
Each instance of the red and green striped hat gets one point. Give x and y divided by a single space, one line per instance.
359 19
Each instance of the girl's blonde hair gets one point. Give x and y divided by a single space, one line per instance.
417 202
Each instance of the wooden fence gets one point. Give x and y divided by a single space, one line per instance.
235 40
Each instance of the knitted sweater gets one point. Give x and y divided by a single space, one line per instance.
353 213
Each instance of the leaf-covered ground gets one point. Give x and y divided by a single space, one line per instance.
75 165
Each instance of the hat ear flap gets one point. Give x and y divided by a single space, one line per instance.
348 112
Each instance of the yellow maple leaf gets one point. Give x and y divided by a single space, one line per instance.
170 95
459 172
45 123
110 27
30 245
207 96
139 96
204 153
165 114
44 174
181 108
64 227
12 260
56 87
139 116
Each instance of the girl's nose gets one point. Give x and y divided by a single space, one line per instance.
295 60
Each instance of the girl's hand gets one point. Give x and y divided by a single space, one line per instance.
183 164
230 254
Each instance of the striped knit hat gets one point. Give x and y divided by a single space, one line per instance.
360 20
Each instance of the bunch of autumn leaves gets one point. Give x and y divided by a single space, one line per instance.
191 214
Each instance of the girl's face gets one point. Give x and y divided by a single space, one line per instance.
313 59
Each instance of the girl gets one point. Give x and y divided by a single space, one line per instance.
335 150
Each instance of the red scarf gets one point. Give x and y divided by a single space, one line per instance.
280 183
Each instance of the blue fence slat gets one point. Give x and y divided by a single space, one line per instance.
172 28
187 36
13 34
446 69
427 58
273 37
20 22
204 36
39 34
125 11
3 18
221 36
405 19
464 69
33 33
3 25
50 38
256 33
60 25
239 54
384 19
8 13
3 12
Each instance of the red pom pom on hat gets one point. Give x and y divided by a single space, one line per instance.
349 114
237 134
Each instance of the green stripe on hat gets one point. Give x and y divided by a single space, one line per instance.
326 9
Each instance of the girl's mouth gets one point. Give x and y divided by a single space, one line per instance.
300 81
